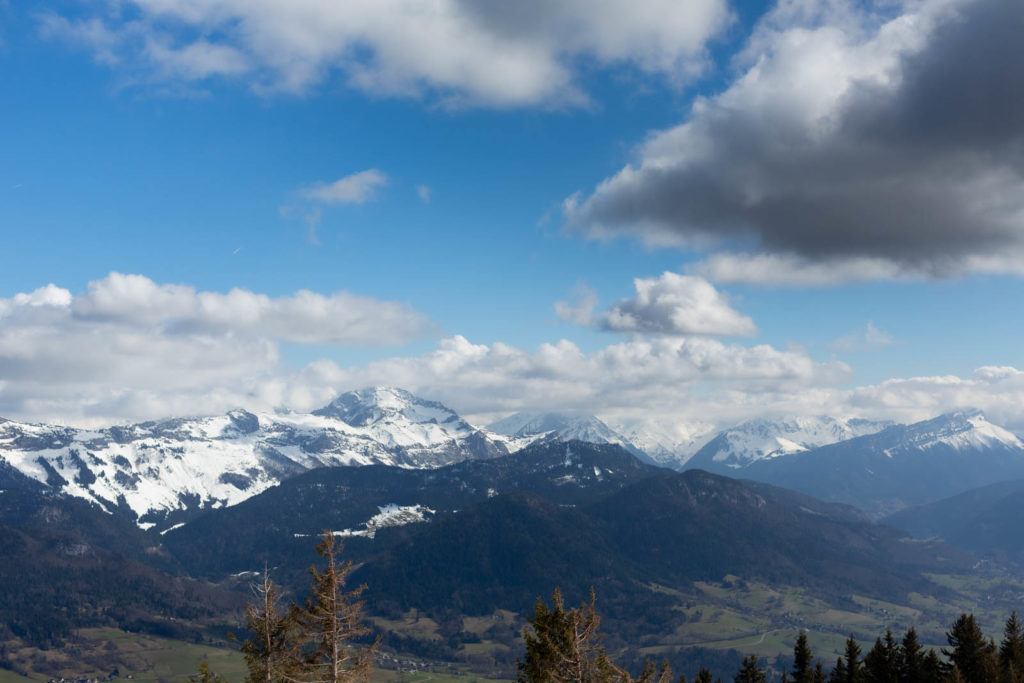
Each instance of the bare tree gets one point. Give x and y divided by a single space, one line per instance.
273 653
331 622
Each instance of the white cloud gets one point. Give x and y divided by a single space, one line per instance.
688 382
423 192
868 339
680 305
357 188
998 391
857 142
196 61
303 318
460 51
130 348
670 304
92 34
656 375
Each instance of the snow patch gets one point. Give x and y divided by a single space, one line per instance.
390 515
755 440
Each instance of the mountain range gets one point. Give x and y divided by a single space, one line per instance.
450 521
756 440
164 473
901 465
484 535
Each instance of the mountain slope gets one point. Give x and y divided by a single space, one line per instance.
901 465
530 427
279 522
666 531
703 526
567 427
756 440
667 443
987 520
64 582
479 536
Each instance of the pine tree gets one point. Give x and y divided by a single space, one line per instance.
750 672
838 674
272 654
1011 651
882 665
653 674
912 659
332 619
932 667
850 669
563 646
973 658
703 676
802 660
819 673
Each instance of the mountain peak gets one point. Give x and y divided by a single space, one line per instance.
365 407
764 438
962 429
567 425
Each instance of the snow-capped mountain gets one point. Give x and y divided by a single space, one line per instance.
566 426
159 471
959 431
756 440
669 444
421 433
523 429
901 465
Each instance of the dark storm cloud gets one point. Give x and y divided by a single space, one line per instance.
904 142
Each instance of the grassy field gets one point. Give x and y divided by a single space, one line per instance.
147 659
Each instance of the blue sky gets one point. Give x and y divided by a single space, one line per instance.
196 144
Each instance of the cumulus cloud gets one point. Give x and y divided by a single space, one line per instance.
357 188
996 390
303 318
680 305
670 304
653 373
462 51
688 381
129 344
888 139
129 349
